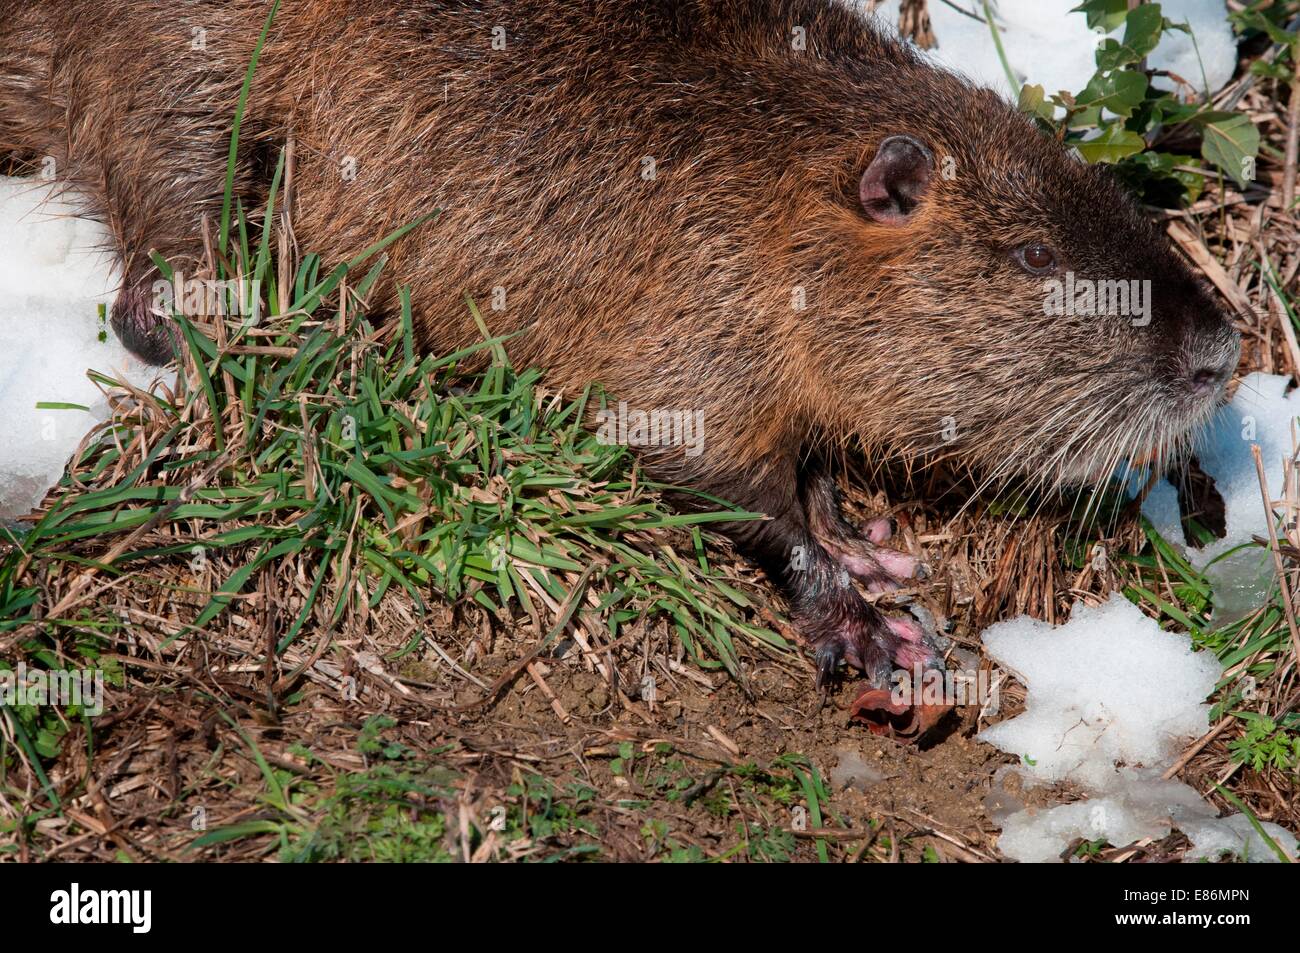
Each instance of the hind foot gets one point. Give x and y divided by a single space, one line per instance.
141 326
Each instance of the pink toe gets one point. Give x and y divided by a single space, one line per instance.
860 566
878 530
899 565
910 655
906 628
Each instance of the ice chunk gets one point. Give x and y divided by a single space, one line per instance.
1136 808
1205 59
1236 835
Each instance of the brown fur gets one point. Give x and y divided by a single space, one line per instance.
674 292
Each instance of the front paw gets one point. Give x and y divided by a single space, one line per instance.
877 567
842 627
858 550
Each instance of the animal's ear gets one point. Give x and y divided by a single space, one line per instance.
895 180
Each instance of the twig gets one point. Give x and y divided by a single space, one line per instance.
1195 747
1292 141
535 672
1277 554
963 11
1278 308
1201 256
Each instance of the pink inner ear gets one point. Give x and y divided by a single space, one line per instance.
895 180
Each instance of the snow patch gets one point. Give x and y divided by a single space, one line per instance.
55 272
1261 412
1112 699
1049 46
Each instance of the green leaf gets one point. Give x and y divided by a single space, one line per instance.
1165 165
1034 102
1121 92
1114 143
1142 32
1258 20
1142 29
1107 14
1161 163
1274 70
1168 109
1192 183
1230 141
1113 55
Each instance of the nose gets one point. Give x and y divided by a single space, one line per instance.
1206 380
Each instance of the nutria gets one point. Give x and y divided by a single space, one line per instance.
763 212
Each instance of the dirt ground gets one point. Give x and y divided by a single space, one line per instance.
630 751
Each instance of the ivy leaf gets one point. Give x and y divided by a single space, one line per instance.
1254 20
1141 35
1158 162
1114 55
1031 98
1163 164
1034 102
1120 92
1089 118
1107 14
1230 141
1169 110
1193 184
1114 143
1270 70
1142 29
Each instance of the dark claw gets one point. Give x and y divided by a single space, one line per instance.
840 625
859 635
828 656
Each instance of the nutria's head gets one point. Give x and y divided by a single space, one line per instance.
1014 307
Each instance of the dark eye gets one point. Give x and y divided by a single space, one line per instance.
1036 259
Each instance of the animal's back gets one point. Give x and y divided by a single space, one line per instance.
631 181
622 178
